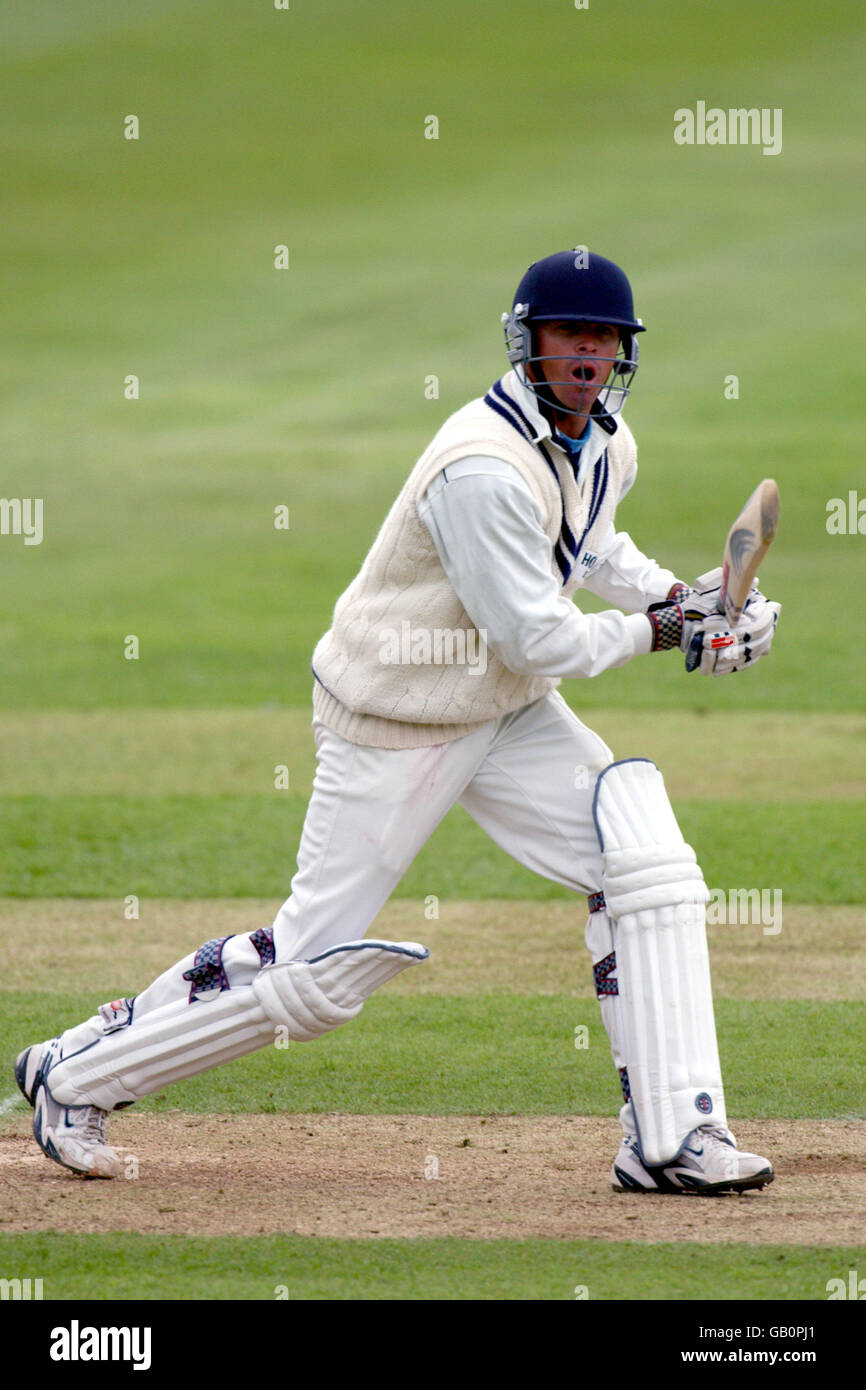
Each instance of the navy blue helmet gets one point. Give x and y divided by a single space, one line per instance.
581 287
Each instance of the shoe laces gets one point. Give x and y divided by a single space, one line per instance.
92 1124
718 1132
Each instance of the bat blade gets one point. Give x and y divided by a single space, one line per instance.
748 541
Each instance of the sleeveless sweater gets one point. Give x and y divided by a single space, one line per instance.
368 687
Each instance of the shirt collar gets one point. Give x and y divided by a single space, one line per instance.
573 447
514 385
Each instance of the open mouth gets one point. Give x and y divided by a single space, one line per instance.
585 372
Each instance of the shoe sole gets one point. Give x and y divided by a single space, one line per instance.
668 1189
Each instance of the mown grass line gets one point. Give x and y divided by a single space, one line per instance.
781 757
242 846
496 1054
276 1268
488 946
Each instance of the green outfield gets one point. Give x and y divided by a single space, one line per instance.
293 1267
143 797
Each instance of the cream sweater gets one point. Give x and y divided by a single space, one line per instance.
369 686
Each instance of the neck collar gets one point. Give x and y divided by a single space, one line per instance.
514 383
573 447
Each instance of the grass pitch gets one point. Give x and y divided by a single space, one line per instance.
308 389
289 1268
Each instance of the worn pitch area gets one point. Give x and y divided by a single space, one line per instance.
420 1175
403 1175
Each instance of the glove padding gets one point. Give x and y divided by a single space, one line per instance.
702 599
724 649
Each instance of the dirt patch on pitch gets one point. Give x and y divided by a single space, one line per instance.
409 1175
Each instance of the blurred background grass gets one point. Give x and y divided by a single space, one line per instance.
306 387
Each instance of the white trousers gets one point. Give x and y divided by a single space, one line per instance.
527 779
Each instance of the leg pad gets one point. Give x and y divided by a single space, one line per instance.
306 998
656 901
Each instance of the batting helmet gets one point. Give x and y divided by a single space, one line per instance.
582 287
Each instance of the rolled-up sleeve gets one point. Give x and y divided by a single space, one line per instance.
487 529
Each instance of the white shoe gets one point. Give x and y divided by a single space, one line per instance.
708 1163
32 1066
74 1136
34 1063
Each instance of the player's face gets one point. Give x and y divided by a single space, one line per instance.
585 351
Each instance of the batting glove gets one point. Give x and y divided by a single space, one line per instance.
718 649
690 619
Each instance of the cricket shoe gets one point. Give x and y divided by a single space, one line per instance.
34 1063
32 1066
74 1136
709 1163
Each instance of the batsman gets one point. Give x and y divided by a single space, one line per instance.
437 683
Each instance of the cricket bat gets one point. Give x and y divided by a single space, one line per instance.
748 541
